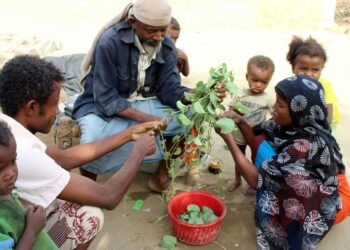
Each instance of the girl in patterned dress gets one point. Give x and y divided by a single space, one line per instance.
297 168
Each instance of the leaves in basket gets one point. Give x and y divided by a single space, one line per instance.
194 216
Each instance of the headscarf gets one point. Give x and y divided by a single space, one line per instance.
297 197
151 12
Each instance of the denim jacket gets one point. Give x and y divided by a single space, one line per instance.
113 76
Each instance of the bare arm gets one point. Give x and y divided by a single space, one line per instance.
243 126
138 116
83 153
245 166
183 62
330 113
84 191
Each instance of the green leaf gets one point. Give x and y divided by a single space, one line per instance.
169 242
211 110
220 106
211 83
184 120
180 105
199 220
175 139
189 96
212 218
167 155
193 208
241 108
198 141
231 87
225 124
198 108
168 110
213 98
177 151
207 210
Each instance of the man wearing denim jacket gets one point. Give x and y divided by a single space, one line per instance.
133 78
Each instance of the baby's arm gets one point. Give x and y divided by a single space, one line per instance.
183 64
330 113
35 222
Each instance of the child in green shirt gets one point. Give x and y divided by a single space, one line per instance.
19 228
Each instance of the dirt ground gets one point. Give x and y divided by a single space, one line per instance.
229 31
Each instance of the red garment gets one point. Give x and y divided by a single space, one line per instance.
344 194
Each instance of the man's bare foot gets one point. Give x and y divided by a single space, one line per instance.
232 185
157 185
250 191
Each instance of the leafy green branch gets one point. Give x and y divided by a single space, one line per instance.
198 118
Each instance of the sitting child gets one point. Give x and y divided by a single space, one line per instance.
19 228
308 57
182 60
259 72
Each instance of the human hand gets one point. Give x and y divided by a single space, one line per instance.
151 128
181 55
35 218
220 90
232 114
146 143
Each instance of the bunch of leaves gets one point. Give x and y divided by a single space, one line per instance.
198 119
193 215
169 242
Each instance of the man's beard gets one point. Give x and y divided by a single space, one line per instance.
151 42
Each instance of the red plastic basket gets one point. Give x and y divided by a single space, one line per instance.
195 234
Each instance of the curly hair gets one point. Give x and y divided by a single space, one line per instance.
309 47
5 134
26 78
262 62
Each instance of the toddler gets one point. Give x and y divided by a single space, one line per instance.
308 57
259 73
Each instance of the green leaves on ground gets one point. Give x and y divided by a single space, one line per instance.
169 242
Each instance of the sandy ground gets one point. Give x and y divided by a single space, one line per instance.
228 31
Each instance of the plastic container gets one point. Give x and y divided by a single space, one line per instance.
195 234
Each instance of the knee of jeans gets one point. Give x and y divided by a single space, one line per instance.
87 133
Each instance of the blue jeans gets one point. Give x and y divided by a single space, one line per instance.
95 128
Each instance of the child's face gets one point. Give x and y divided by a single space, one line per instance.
8 167
174 34
281 113
308 66
258 79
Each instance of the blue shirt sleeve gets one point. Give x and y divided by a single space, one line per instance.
265 152
107 98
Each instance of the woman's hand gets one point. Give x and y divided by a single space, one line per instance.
150 128
235 116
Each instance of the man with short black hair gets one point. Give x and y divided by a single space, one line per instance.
29 95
